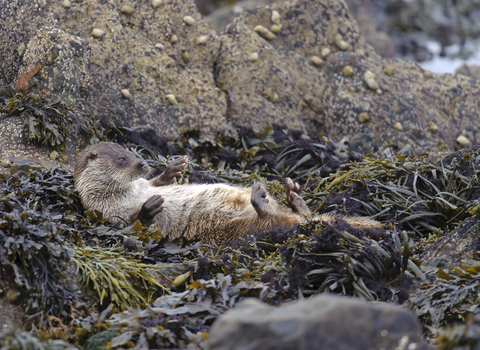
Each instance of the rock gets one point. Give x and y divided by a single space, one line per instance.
458 245
321 322
472 71
365 14
361 143
57 62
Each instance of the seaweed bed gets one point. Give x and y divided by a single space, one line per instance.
74 272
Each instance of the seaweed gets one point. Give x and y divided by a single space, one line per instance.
49 120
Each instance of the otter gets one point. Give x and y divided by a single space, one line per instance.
111 179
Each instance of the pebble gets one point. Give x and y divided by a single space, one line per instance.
397 126
202 39
325 52
160 46
253 56
126 94
54 155
463 140
369 79
66 3
173 39
171 99
274 97
316 60
156 3
5 163
341 44
427 74
128 10
347 71
269 35
388 70
275 28
275 17
98 33
364 117
21 49
189 20
432 127
261 30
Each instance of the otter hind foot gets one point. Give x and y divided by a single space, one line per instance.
151 207
260 201
295 201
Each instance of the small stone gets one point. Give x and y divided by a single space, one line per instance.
173 39
427 74
5 163
341 44
171 99
397 126
269 35
364 117
126 94
463 140
275 17
369 79
159 46
316 60
274 97
66 3
156 3
54 155
128 10
325 52
21 49
261 30
98 33
360 52
432 127
379 91
189 20
388 70
253 56
347 71
275 28
267 93
202 39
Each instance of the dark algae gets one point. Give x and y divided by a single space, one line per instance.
73 272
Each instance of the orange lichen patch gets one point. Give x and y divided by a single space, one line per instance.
24 79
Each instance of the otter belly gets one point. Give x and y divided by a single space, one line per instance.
197 209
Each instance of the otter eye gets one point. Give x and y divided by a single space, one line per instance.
122 159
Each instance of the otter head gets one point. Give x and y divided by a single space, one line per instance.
106 168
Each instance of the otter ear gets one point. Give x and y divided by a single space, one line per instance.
92 155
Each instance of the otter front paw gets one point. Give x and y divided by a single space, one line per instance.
175 168
151 207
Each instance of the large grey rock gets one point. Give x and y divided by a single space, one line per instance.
321 322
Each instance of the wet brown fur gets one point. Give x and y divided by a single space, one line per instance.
118 189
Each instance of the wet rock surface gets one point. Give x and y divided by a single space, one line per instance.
301 64
320 322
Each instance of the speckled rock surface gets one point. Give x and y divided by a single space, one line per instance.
58 63
308 69
472 71
320 322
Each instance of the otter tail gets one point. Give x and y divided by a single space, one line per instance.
360 222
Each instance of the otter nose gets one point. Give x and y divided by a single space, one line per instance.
143 164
